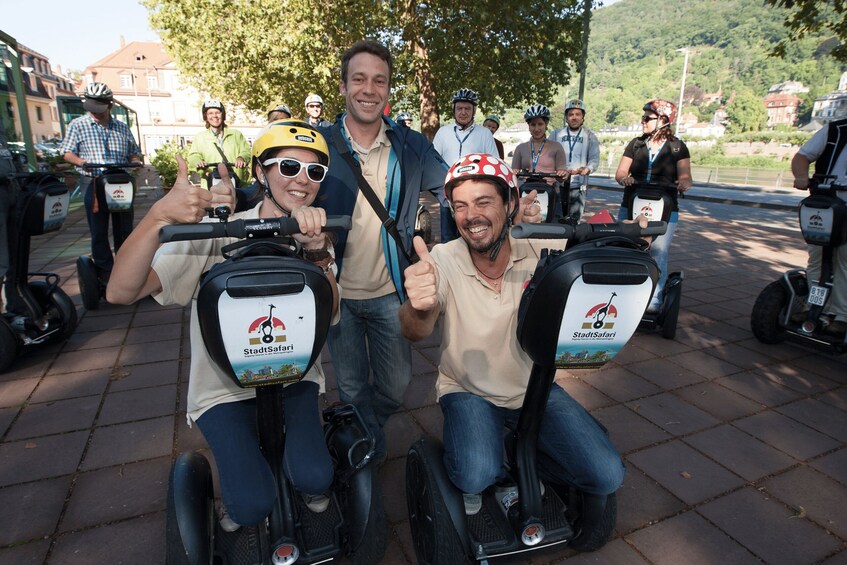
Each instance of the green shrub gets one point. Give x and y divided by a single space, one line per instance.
165 162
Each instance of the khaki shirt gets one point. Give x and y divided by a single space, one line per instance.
365 273
479 350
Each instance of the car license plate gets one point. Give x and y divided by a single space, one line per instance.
817 295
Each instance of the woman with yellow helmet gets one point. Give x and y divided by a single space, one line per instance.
289 161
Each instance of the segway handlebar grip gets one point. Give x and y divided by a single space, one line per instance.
542 231
203 230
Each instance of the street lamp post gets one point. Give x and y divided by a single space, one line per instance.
681 88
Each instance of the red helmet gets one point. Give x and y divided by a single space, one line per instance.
662 108
481 166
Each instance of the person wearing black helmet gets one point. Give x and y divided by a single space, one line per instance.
99 138
462 137
219 143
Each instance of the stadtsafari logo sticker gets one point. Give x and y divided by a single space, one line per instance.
269 339
55 211
589 337
816 224
118 195
651 209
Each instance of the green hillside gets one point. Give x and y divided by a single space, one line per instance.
633 56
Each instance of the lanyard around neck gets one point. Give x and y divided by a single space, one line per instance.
572 144
652 157
535 156
464 139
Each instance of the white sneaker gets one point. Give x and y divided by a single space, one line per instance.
473 503
317 503
227 524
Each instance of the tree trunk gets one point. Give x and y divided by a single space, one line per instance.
423 73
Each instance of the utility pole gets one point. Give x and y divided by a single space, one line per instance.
583 59
681 88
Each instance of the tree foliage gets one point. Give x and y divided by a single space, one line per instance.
746 112
807 17
254 52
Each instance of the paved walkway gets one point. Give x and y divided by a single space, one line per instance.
736 451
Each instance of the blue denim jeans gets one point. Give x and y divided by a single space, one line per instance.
247 484
660 250
573 448
98 225
366 343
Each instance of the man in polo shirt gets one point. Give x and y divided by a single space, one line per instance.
474 285
99 138
398 163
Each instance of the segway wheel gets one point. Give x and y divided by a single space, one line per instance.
9 345
596 535
366 542
89 285
435 538
62 306
190 518
424 225
769 307
674 290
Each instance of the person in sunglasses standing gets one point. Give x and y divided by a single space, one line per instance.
289 161
658 158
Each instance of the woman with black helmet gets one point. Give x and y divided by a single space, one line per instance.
657 157
218 138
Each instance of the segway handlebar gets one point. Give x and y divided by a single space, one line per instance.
209 165
527 174
124 165
245 229
585 231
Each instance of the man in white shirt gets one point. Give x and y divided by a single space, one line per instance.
583 153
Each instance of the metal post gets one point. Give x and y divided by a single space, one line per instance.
583 58
681 88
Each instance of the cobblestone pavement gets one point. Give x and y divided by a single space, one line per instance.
735 450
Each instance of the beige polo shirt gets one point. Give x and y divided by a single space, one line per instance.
479 348
365 273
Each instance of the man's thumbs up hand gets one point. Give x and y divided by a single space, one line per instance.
422 279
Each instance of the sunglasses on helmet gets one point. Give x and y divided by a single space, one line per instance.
290 168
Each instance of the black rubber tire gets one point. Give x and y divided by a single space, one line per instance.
767 310
435 538
672 316
175 552
425 228
65 311
594 539
89 285
375 539
9 345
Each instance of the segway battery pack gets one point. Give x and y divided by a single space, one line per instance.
655 205
43 206
823 220
119 190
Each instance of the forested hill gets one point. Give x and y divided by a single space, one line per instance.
633 55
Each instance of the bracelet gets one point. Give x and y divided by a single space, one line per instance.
316 255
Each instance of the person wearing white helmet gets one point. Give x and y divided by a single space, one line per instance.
219 143
315 109
462 137
98 138
583 152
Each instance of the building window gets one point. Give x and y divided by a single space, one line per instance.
38 115
152 82
126 81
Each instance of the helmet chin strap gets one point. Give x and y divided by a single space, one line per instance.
269 194
504 231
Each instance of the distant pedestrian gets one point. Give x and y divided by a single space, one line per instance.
492 122
583 153
315 109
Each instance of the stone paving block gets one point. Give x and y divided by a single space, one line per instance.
34 553
76 361
707 363
839 558
142 376
95 340
392 478
718 401
99 323
41 458
116 493
801 380
688 538
759 388
726 332
672 414
55 417
149 334
696 338
589 397
616 551
719 311
28 367
828 366
818 416
768 529
740 453
431 420
739 356
628 430
421 365
833 464
18 522
149 353
631 353
795 439
124 443
6 417
642 501
157 317
401 431
686 473
823 500
620 384
665 373
421 390
126 406
71 385
137 541
837 398
660 346
782 352
14 393
432 354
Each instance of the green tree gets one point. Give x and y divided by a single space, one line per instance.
746 112
511 53
814 16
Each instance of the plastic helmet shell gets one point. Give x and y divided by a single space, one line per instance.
98 91
291 133
537 111
484 167
662 108
575 104
465 95
279 107
403 116
313 99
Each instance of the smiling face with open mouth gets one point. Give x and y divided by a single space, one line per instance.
366 89
291 192
480 213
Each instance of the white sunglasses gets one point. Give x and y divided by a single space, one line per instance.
290 168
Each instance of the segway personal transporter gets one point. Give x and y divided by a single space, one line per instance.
116 188
789 308
579 309
37 311
548 195
258 276
655 203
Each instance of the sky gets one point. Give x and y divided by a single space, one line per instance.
77 33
